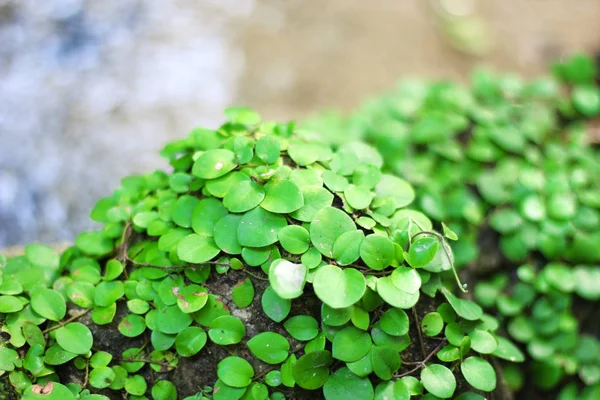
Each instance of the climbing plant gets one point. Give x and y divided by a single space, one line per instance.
272 266
512 165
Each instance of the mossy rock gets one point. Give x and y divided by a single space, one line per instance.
262 266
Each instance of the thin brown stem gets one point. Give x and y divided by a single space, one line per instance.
419 333
254 276
63 323
422 363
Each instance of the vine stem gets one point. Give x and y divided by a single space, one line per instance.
443 241
255 276
421 364
63 323
420 334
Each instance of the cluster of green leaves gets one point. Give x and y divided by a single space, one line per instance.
514 156
289 216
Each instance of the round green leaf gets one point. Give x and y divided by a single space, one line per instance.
393 391
222 391
226 234
386 361
221 186
396 188
164 390
422 251
394 296
172 320
49 304
294 239
183 210
226 330
533 208
235 372
350 286
197 249
102 377
282 197
346 248
243 293
377 251
479 373
344 385
311 371
274 306
438 380
190 341
315 199
205 216
302 327
268 148
136 385
508 351
351 344
43 256
287 279
406 279
269 347
395 322
49 391
244 196
132 325
464 308
75 338
482 341
358 197
432 324
328 224
214 163
259 228
11 304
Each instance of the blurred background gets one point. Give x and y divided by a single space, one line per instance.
91 90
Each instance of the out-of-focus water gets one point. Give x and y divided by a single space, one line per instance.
90 90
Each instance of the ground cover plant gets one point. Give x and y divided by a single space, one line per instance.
513 167
261 266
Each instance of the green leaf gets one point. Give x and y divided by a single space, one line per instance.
311 371
49 391
183 210
294 239
190 341
206 214
377 251
94 243
197 249
102 377
132 325
315 199
259 228
533 208
344 384
586 99
226 330
406 279
464 308
214 163
43 256
243 293
396 188
328 224
269 347
12 304
136 385
282 197
482 341
302 327
75 338
287 279
172 320
432 324
235 372
392 391
449 233
221 186
479 373
351 344
395 322
358 197
226 234
438 380
394 296
268 148
244 196
222 391
274 306
346 248
422 251
385 360
49 304
508 351
350 286
164 390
